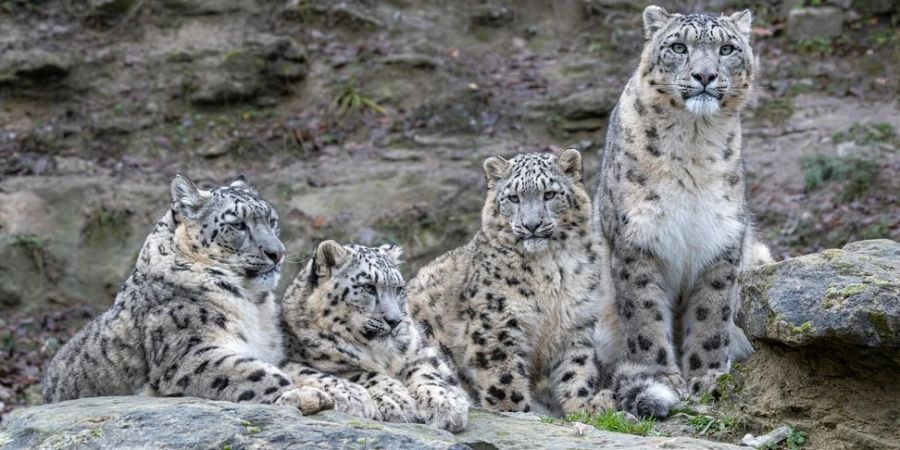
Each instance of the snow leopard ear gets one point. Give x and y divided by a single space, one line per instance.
742 20
394 252
241 182
329 256
654 19
495 168
570 163
186 198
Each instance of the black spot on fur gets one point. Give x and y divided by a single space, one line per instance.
695 362
497 393
219 383
661 356
641 280
644 343
257 375
246 395
702 313
712 343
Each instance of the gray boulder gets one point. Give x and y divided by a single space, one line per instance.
833 298
187 423
815 23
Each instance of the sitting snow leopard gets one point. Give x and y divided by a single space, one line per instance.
346 323
197 317
516 308
671 208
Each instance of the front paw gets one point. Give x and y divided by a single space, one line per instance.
705 385
308 400
676 382
396 405
353 399
447 409
601 402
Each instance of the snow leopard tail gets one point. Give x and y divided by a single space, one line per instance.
755 253
641 391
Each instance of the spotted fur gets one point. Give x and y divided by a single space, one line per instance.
197 317
671 208
516 308
348 329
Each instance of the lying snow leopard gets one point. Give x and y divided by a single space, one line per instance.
671 208
197 316
346 323
517 308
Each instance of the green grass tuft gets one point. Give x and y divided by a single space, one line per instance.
34 246
708 425
615 421
350 99
859 174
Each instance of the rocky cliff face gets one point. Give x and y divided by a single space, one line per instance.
367 121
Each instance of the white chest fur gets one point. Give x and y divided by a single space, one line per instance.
697 215
561 279
258 325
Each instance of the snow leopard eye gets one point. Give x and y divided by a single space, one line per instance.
679 48
238 226
369 289
726 50
549 195
513 198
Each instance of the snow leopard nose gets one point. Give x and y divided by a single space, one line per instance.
392 322
274 256
533 226
704 78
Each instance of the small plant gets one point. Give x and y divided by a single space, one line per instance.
866 133
877 230
818 46
858 173
709 425
547 419
778 110
8 340
706 399
33 245
796 439
102 222
615 421
350 99
883 36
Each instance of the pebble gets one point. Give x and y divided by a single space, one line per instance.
773 437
